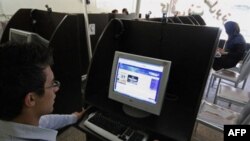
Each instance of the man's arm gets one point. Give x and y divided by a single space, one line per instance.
56 121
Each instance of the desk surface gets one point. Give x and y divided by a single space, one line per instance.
151 135
173 123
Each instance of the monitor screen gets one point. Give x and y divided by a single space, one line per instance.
139 83
21 36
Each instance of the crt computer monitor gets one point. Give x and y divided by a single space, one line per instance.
139 83
22 36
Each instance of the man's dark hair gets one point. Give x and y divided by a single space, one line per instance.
125 11
114 11
21 72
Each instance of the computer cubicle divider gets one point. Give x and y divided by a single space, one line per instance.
192 20
67 38
191 50
156 19
20 20
45 23
97 24
199 19
71 61
98 21
186 20
34 20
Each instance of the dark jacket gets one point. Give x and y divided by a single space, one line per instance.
235 46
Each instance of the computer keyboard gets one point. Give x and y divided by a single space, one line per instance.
113 130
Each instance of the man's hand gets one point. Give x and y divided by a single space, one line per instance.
79 114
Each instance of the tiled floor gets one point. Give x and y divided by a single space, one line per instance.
72 134
204 133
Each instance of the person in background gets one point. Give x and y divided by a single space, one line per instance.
234 49
115 11
125 11
28 91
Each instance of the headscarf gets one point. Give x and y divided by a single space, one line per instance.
234 36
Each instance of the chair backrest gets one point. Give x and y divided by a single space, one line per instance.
247 47
244 117
245 70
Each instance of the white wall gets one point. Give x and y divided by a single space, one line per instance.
238 9
9 7
106 6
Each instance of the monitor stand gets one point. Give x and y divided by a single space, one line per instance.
133 112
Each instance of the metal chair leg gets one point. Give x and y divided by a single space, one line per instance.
209 85
244 83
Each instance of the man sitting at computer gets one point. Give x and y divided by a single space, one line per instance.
27 93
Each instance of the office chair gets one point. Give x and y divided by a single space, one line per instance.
232 95
237 68
215 116
232 76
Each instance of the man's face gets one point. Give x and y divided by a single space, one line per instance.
44 104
